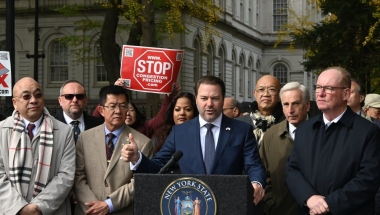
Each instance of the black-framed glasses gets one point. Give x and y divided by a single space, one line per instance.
271 90
327 89
71 96
113 107
27 97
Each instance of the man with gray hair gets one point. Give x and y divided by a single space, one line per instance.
276 146
231 107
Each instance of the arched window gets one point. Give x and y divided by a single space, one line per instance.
281 73
3 45
197 59
100 70
58 62
280 14
210 60
250 77
222 64
233 74
241 75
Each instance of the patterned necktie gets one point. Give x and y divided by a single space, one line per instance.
109 146
209 148
30 130
76 129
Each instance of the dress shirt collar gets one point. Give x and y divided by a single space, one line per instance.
291 128
217 122
117 132
36 123
69 120
334 120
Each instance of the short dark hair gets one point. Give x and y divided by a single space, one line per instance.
361 87
111 90
211 80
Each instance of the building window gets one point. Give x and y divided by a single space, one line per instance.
222 64
233 74
197 59
3 45
250 77
210 60
101 73
280 14
241 75
58 54
281 73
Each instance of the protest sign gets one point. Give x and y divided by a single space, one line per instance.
148 69
5 74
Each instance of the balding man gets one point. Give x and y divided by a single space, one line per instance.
334 165
37 156
267 109
231 107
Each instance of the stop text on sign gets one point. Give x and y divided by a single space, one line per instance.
158 67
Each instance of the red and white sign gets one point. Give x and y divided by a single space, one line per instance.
148 69
5 74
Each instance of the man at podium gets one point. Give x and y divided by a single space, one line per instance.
211 143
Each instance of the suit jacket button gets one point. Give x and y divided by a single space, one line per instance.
106 184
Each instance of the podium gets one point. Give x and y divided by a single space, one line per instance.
233 194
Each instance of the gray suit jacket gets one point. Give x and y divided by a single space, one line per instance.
54 198
95 181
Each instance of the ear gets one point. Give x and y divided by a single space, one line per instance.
14 103
308 106
361 98
235 112
101 110
60 100
346 94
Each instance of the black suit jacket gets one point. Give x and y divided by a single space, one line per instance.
89 121
340 163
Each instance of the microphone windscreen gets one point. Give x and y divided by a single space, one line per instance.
177 155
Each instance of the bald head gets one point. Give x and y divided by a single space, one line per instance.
267 94
28 99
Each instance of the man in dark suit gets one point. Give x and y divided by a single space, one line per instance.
231 149
334 165
73 100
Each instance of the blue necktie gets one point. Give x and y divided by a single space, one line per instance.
76 129
209 148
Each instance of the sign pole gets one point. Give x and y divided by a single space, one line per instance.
10 42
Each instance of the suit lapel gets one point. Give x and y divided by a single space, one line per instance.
224 135
117 151
100 147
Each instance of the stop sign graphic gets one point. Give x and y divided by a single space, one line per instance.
150 69
153 70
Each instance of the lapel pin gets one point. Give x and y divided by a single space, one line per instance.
228 128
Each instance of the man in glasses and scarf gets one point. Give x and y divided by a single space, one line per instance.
37 156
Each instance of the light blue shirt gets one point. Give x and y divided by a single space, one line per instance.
114 140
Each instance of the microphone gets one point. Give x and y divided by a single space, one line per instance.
175 157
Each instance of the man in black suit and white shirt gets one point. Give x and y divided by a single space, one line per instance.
73 100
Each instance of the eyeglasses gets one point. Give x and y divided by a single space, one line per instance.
224 109
113 107
71 96
29 96
271 90
327 89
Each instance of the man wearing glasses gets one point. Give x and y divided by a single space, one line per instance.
334 165
73 100
267 109
37 156
103 182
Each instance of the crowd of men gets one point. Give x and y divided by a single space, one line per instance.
301 156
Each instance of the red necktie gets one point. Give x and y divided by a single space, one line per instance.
30 130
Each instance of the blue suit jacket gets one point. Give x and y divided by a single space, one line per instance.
236 151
